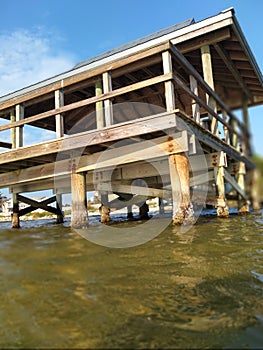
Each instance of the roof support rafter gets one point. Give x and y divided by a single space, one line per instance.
228 62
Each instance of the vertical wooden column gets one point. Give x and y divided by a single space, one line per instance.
129 212
246 144
255 189
180 181
99 106
208 77
13 130
107 87
15 215
59 102
161 206
17 141
195 106
104 208
226 130
19 114
222 208
168 85
79 212
243 205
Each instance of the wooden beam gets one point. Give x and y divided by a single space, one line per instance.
205 39
146 125
148 192
230 179
232 68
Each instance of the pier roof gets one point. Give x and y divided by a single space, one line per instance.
235 69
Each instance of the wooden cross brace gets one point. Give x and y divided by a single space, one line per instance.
33 205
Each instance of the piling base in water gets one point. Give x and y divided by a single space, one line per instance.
222 208
243 209
104 214
184 216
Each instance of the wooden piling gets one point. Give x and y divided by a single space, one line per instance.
104 209
243 205
15 215
222 208
180 181
79 212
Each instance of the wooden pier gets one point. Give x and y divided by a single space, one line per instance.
131 122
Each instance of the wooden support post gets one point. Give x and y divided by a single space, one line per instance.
180 182
107 87
19 113
222 208
243 205
143 211
168 85
195 106
255 189
226 130
60 218
13 130
208 77
59 102
104 208
79 212
129 212
161 206
15 215
246 145
99 106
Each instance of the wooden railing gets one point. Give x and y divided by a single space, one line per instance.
234 132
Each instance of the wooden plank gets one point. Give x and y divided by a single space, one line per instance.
146 125
133 189
91 100
144 150
201 40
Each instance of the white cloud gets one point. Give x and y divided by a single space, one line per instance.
27 57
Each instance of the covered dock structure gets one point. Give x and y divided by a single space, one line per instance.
152 118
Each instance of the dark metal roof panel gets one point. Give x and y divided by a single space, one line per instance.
136 42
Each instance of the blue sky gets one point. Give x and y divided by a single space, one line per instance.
41 38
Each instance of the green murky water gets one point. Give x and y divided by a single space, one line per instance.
200 289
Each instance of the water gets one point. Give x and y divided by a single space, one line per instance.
200 289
